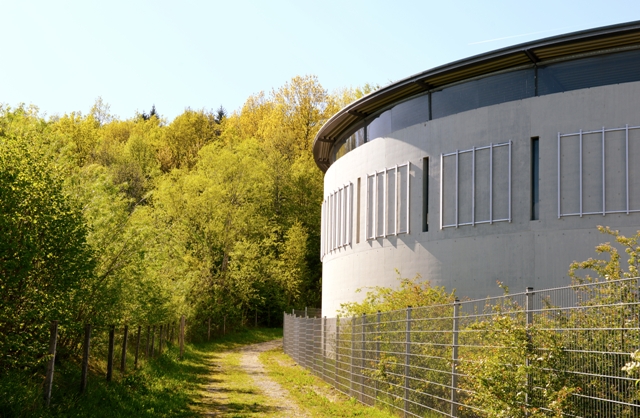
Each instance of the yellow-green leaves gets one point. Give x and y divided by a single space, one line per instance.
612 268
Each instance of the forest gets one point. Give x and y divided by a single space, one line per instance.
118 221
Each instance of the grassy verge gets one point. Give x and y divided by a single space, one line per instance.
162 387
231 391
312 393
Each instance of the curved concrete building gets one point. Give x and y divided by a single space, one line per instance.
495 167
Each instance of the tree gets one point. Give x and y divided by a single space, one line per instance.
185 136
44 257
221 114
152 114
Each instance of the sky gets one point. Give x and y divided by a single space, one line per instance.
62 55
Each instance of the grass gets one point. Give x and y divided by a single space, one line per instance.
162 387
232 392
312 393
209 378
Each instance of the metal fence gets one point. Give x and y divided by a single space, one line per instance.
449 360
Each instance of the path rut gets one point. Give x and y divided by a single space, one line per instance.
279 402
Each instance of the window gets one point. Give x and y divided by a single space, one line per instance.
600 70
487 91
598 171
593 71
358 191
425 194
475 186
388 202
535 179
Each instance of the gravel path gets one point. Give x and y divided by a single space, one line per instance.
280 403
252 365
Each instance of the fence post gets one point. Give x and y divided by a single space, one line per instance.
181 338
353 342
335 368
53 342
454 359
305 339
295 338
153 339
146 353
160 340
135 361
123 359
529 305
529 312
362 354
324 348
406 362
85 357
305 342
112 332
378 336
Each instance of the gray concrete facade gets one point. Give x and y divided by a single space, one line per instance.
521 252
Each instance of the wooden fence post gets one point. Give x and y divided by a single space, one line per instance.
135 362
112 332
181 337
153 338
53 341
85 357
146 353
123 359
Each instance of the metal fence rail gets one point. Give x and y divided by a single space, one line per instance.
421 361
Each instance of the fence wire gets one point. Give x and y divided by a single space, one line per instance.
426 361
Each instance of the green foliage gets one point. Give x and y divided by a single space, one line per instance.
165 386
611 300
409 293
133 221
506 369
44 257
311 392
514 370
610 269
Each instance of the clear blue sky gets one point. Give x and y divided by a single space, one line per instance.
62 55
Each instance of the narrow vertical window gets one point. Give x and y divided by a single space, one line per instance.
425 194
358 212
535 178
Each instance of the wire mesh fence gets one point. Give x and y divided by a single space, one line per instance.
538 353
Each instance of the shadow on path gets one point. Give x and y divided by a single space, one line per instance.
239 386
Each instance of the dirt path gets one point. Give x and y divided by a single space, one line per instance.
240 386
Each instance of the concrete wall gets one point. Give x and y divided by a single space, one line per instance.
519 253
